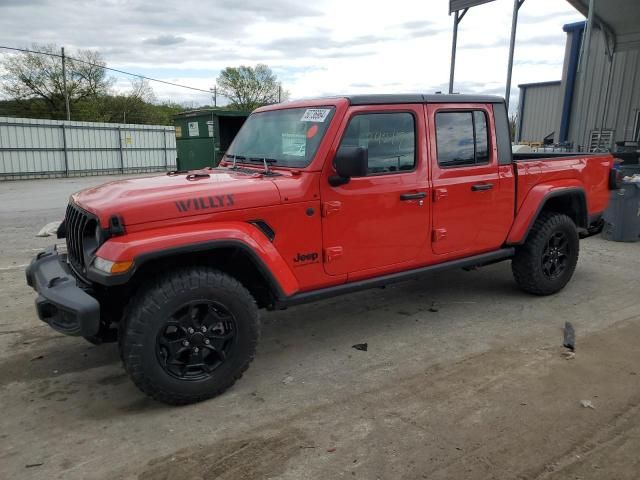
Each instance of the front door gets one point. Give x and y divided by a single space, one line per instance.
375 222
471 213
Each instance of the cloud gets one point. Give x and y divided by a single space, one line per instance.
420 28
501 42
528 19
553 39
164 40
321 43
325 46
20 3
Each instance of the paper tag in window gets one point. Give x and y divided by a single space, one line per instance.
315 115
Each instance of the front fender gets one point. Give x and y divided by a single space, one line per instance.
534 203
144 246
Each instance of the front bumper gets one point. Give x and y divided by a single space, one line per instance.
61 302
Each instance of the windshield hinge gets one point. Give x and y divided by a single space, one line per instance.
329 208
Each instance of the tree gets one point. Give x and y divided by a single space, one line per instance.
142 90
513 122
138 105
249 87
29 76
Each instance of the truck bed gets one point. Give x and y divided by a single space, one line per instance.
586 172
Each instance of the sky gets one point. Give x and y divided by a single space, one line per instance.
316 48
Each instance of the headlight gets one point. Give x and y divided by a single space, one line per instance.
103 265
107 266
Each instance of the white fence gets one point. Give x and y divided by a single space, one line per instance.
52 148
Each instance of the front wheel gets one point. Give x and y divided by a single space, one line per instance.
547 260
189 336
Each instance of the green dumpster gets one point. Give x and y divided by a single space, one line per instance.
202 136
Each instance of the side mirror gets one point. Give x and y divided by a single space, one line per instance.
349 162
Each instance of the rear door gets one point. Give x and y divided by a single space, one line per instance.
470 212
380 221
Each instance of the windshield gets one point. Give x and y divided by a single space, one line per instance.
287 138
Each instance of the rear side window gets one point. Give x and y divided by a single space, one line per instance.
389 138
462 138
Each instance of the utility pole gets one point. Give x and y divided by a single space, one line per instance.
214 91
514 23
279 93
457 18
64 85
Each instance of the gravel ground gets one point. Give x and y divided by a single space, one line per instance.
477 388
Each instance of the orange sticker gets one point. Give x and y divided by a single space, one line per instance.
312 131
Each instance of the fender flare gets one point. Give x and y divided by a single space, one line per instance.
534 203
150 245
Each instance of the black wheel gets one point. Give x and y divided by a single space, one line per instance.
189 336
547 260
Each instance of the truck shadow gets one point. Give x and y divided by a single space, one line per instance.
62 356
289 337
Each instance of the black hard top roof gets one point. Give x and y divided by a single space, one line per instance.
379 99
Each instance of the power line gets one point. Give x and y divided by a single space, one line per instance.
25 50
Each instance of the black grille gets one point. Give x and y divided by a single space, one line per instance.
80 226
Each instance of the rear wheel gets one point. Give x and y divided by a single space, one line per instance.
547 260
189 336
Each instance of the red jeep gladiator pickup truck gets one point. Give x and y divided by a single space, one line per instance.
313 199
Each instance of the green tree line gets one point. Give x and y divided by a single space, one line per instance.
32 85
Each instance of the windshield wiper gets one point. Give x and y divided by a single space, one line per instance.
234 158
265 160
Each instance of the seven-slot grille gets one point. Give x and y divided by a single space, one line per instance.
77 221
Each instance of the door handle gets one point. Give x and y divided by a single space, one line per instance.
481 187
413 196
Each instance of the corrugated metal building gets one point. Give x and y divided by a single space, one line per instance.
606 94
32 148
599 97
540 122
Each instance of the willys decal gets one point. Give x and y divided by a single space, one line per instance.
205 203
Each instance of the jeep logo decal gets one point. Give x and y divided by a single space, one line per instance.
205 203
306 257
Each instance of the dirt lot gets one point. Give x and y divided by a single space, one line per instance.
477 389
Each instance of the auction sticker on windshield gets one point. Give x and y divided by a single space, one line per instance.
315 115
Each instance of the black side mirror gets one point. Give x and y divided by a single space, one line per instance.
349 162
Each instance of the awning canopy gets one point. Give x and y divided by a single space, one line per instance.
619 18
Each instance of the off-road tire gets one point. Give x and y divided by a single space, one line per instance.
146 317
527 264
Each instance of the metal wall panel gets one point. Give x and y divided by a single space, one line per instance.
591 110
540 111
49 148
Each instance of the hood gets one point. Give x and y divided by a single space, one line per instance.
149 199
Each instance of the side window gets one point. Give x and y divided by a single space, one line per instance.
482 136
389 138
462 138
